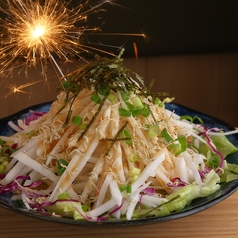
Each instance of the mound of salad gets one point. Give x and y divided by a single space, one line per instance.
109 149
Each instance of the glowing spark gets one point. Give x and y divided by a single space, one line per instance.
38 30
20 89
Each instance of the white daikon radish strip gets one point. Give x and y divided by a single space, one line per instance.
149 170
115 192
181 169
75 166
59 144
103 190
32 144
34 176
151 201
101 129
72 193
134 199
92 179
160 175
131 206
28 161
14 126
101 209
118 164
12 139
10 165
199 138
11 175
188 159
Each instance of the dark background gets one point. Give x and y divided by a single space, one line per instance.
172 26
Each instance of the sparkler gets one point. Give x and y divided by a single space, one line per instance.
43 30
36 30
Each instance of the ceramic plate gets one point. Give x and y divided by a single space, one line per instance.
197 205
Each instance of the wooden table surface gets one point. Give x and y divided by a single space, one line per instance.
219 221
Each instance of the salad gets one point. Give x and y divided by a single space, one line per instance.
109 149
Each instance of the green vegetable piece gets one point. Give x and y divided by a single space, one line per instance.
164 134
137 103
133 157
153 131
111 98
183 143
223 145
77 120
191 119
66 84
158 102
128 188
230 173
61 166
124 112
127 136
83 126
63 196
2 142
174 148
214 161
125 96
2 168
104 90
95 98
146 111
122 187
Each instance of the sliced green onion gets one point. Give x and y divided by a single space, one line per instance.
158 102
111 98
82 126
153 131
124 112
128 188
95 98
164 134
134 172
191 119
124 96
61 166
77 120
183 143
122 187
127 136
133 157
178 146
146 111
137 103
137 112
214 161
174 148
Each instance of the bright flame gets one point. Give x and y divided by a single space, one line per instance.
38 32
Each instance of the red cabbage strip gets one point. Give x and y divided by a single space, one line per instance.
15 185
209 141
103 218
33 116
176 182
